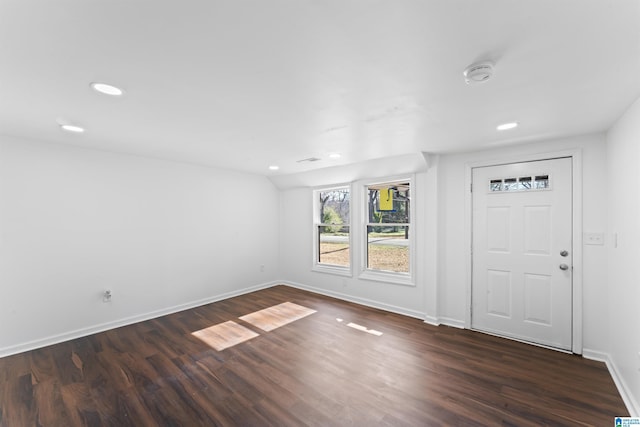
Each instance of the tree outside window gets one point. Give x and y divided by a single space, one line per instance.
333 227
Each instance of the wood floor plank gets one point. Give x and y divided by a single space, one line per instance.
18 406
316 371
49 403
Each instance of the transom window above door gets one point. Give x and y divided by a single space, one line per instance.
520 183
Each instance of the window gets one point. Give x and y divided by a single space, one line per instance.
381 247
523 183
332 230
388 227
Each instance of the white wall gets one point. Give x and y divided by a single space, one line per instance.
623 281
160 235
441 289
453 282
164 235
296 252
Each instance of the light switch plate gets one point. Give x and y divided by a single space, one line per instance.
593 238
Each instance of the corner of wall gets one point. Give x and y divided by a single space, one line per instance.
627 397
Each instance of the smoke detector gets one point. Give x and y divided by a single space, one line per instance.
478 73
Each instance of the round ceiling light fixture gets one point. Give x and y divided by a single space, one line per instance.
479 72
107 89
274 167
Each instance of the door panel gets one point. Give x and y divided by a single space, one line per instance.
498 220
499 293
537 298
521 223
537 230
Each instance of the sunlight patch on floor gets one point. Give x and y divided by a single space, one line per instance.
364 329
277 316
360 327
224 335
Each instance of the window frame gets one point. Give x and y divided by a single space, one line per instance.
365 273
317 223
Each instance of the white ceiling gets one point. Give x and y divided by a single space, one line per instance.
244 84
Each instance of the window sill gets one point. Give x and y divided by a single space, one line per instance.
332 269
387 277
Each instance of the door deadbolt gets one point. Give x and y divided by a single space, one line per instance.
564 253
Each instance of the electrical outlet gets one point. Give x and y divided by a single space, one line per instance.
106 296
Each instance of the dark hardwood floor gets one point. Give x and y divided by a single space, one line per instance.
314 371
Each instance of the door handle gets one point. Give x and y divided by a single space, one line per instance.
564 267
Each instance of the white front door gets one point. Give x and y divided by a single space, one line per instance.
522 251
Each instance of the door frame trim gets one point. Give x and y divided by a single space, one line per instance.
576 205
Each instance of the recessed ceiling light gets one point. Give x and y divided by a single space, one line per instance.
107 89
506 126
334 156
274 167
72 128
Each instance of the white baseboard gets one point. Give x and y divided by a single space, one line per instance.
432 320
357 300
446 321
454 323
627 397
83 332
